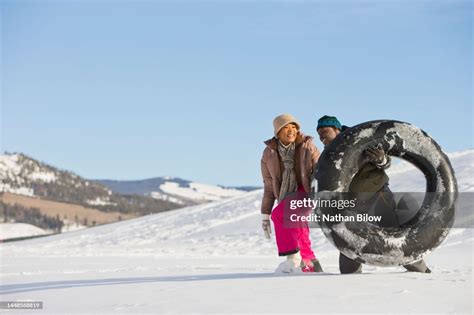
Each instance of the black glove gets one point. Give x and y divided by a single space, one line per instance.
376 155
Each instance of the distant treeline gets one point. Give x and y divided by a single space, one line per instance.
20 214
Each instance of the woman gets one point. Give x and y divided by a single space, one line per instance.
287 165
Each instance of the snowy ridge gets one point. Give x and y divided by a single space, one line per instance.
15 173
173 189
20 173
10 168
199 192
162 196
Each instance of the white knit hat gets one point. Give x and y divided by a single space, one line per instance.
283 120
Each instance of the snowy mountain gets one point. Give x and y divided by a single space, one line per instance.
175 189
31 186
199 252
23 175
26 176
19 173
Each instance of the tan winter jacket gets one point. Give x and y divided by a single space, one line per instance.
306 157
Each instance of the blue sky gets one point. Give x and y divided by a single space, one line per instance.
137 89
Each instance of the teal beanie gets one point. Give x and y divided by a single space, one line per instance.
328 121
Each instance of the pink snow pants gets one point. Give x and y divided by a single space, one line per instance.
290 240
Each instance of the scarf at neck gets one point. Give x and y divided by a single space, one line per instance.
288 184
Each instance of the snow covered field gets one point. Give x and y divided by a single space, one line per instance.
213 258
13 230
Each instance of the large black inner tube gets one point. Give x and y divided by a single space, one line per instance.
369 243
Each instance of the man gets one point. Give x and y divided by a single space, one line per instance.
372 181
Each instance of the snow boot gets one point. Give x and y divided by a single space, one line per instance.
418 266
290 265
347 265
311 266
317 266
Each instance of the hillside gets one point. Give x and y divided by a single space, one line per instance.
58 198
175 189
70 213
